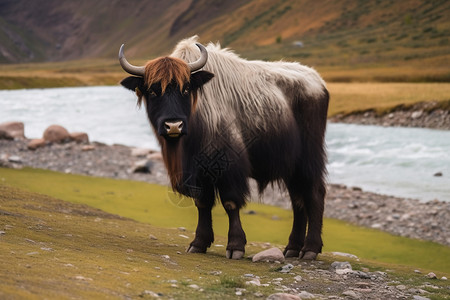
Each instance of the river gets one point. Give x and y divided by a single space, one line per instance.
387 160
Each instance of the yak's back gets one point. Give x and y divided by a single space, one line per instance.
251 94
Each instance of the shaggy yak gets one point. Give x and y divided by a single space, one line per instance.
221 119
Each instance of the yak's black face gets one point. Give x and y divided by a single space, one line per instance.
169 112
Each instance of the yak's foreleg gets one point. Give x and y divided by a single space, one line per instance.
236 235
204 235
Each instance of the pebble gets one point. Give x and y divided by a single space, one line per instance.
420 298
152 237
298 278
286 268
306 295
352 294
150 294
255 282
444 278
194 286
283 296
431 275
345 255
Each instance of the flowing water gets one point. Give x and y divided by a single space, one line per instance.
386 160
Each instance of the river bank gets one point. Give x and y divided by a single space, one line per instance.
404 217
430 114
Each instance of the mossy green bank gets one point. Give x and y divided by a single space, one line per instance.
159 206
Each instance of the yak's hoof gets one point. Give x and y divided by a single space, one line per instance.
308 255
193 249
291 253
235 254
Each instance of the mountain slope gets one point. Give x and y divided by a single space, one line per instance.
333 34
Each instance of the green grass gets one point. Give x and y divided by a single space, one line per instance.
155 205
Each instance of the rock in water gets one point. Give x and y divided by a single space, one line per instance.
56 134
270 255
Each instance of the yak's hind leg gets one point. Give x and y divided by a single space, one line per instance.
297 236
308 206
314 196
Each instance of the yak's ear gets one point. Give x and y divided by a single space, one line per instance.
133 83
198 79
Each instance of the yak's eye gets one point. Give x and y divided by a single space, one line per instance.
186 91
151 93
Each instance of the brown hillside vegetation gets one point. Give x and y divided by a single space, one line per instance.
382 35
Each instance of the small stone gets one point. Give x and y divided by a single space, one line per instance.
286 268
416 114
181 229
283 296
254 281
306 295
345 255
79 137
194 286
438 174
215 273
431 275
340 265
343 271
150 294
249 275
15 159
415 297
2 232
140 152
443 278
271 255
36 143
155 156
401 287
152 237
258 294
183 236
82 278
165 256
88 148
298 278
417 271
351 294
142 166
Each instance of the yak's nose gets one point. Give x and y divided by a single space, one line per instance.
173 128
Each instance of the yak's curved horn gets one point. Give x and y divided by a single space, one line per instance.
133 70
197 65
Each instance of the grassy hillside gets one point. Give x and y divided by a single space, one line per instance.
347 40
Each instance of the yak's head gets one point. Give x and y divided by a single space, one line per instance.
168 88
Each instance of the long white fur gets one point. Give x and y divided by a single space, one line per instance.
249 94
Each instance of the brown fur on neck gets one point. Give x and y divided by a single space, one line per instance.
171 153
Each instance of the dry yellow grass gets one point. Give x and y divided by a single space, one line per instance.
348 97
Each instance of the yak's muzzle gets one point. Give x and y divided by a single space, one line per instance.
173 128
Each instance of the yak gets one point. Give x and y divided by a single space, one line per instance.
221 119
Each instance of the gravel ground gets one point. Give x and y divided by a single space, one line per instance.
404 217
